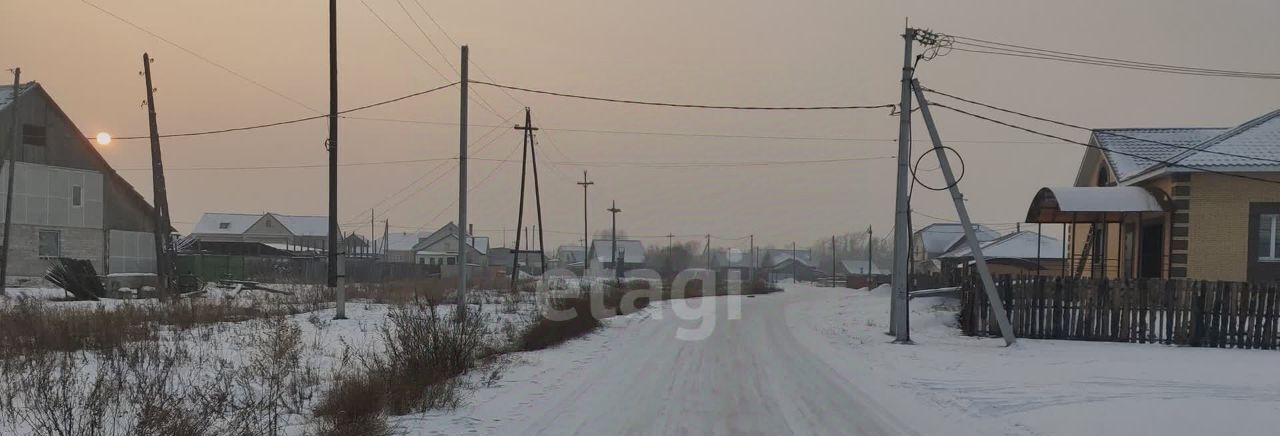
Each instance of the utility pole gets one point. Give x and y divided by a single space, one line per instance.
585 184
160 210
670 243
871 240
462 189
537 196
752 276
336 281
15 138
902 206
975 248
373 234
708 251
794 261
617 262
833 260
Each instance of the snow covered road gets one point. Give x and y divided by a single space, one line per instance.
749 376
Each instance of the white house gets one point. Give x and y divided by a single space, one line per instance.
286 232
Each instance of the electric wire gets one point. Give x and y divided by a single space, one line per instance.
1027 49
681 105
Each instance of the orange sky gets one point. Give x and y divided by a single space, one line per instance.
712 51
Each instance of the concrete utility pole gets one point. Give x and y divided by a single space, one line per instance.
617 262
160 210
833 260
462 189
752 275
794 261
902 205
993 296
585 237
15 139
336 269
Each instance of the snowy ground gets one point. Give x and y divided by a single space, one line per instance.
816 361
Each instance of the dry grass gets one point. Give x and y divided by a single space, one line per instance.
545 333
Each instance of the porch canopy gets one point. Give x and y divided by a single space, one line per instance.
1110 204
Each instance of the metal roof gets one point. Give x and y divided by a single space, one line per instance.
212 223
939 238
1017 245
1092 204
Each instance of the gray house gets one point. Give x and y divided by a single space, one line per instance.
67 201
602 256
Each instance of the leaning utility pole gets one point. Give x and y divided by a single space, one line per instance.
15 138
617 262
462 189
898 323
585 238
975 248
160 210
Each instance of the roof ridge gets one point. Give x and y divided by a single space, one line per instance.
1246 126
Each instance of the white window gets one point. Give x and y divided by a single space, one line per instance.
1268 238
50 243
77 196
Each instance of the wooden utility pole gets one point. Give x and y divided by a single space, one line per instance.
160 210
462 187
15 139
585 238
753 258
833 260
871 240
617 262
708 251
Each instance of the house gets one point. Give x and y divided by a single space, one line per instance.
441 248
859 267
1199 203
732 261
296 233
935 239
67 201
602 256
1017 253
399 246
781 264
571 257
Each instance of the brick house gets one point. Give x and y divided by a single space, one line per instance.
1193 203
67 201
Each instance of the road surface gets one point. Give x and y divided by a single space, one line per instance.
750 376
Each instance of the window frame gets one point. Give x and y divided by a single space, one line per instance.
57 235
77 196
1271 246
43 135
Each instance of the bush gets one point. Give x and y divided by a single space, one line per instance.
353 406
425 353
545 333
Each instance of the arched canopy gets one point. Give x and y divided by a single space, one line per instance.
1111 204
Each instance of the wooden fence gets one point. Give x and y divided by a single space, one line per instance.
1179 312
210 267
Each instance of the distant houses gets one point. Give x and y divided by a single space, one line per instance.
936 239
1018 253
67 201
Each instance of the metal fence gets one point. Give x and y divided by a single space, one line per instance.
1178 312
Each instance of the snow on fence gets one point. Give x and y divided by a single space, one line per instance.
1179 312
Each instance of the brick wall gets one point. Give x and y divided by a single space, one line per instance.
1218 236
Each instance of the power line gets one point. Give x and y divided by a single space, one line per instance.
293 121
703 135
1029 50
1102 132
1085 144
199 56
705 164
682 105
299 166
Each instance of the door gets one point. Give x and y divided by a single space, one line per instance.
1152 250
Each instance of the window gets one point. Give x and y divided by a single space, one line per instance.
77 196
224 226
50 243
453 261
267 223
1268 239
33 134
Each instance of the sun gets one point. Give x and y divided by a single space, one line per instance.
104 138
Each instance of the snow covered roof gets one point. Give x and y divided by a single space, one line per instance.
225 223
632 250
731 258
1017 245
1251 146
1120 144
1091 204
6 93
859 266
571 253
774 256
480 243
304 225
404 241
939 238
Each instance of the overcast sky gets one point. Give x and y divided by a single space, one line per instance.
752 52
